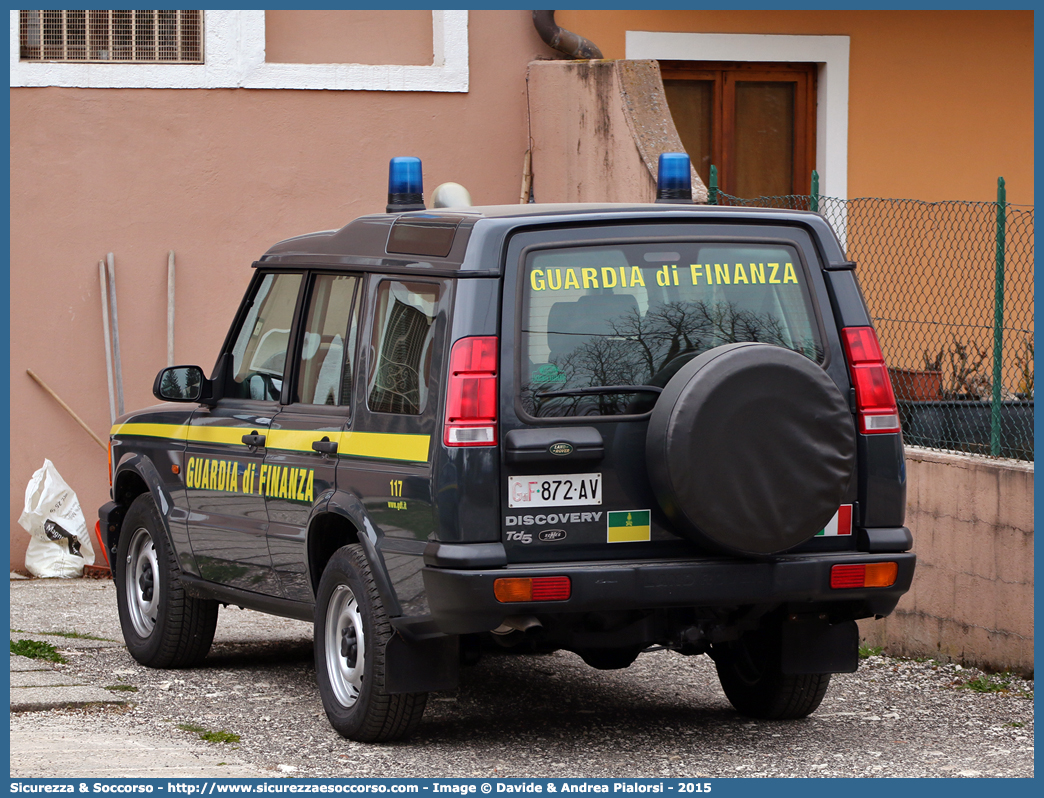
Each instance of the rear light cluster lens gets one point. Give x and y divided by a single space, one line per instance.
101 542
471 398
875 400
874 574
537 588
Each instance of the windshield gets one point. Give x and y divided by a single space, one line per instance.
633 314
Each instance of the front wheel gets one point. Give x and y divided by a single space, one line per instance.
162 625
351 633
751 675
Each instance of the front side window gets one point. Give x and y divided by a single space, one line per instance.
259 353
633 314
400 345
325 365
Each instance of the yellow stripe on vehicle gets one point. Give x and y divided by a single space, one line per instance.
298 440
390 446
385 445
382 445
177 432
184 432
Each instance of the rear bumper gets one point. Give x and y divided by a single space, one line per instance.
462 600
111 516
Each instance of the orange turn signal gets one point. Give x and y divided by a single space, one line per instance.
881 574
537 588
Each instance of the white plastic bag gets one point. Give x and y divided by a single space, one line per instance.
60 544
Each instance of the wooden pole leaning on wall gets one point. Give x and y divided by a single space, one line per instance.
115 334
66 407
170 308
527 177
108 342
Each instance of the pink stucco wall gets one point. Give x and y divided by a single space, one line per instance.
348 37
972 595
217 176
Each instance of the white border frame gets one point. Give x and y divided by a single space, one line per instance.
830 52
234 51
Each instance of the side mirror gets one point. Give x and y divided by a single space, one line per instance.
180 384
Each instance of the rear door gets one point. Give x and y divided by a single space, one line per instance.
597 322
386 454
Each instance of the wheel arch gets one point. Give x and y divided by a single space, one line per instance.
327 532
343 523
135 475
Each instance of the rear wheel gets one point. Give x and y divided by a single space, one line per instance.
751 676
162 625
351 632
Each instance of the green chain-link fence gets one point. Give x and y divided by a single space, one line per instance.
950 291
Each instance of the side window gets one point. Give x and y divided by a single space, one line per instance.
325 365
259 352
400 346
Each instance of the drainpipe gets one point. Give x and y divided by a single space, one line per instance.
563 40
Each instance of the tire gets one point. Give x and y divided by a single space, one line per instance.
750 449
351 633
750 674
162 625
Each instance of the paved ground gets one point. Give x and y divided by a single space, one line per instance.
549 716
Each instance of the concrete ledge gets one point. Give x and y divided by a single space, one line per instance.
64 644
972 595
598 129
87 746
37 699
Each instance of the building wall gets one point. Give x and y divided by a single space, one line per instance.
940 102
347 37
972 594
217 175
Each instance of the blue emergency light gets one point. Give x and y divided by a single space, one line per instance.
673 179
405 185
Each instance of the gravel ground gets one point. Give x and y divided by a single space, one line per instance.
538 716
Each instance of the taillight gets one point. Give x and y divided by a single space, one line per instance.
471 395
110 463
874 574
875 400
537 588
101 542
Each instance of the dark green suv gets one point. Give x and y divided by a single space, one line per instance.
598 428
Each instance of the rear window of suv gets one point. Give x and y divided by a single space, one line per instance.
618 316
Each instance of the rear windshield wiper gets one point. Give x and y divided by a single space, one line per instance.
599 389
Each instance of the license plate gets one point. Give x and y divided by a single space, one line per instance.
555 490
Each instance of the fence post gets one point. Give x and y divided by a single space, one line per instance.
813 200
712 189
998 322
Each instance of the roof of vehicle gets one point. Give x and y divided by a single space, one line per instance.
436 241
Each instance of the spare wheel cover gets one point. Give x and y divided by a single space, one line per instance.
750 448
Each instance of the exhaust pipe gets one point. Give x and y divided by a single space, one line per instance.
526 624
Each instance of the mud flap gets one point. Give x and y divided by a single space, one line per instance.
818 646
417 660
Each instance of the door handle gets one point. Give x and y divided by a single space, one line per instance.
253 440
325 446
